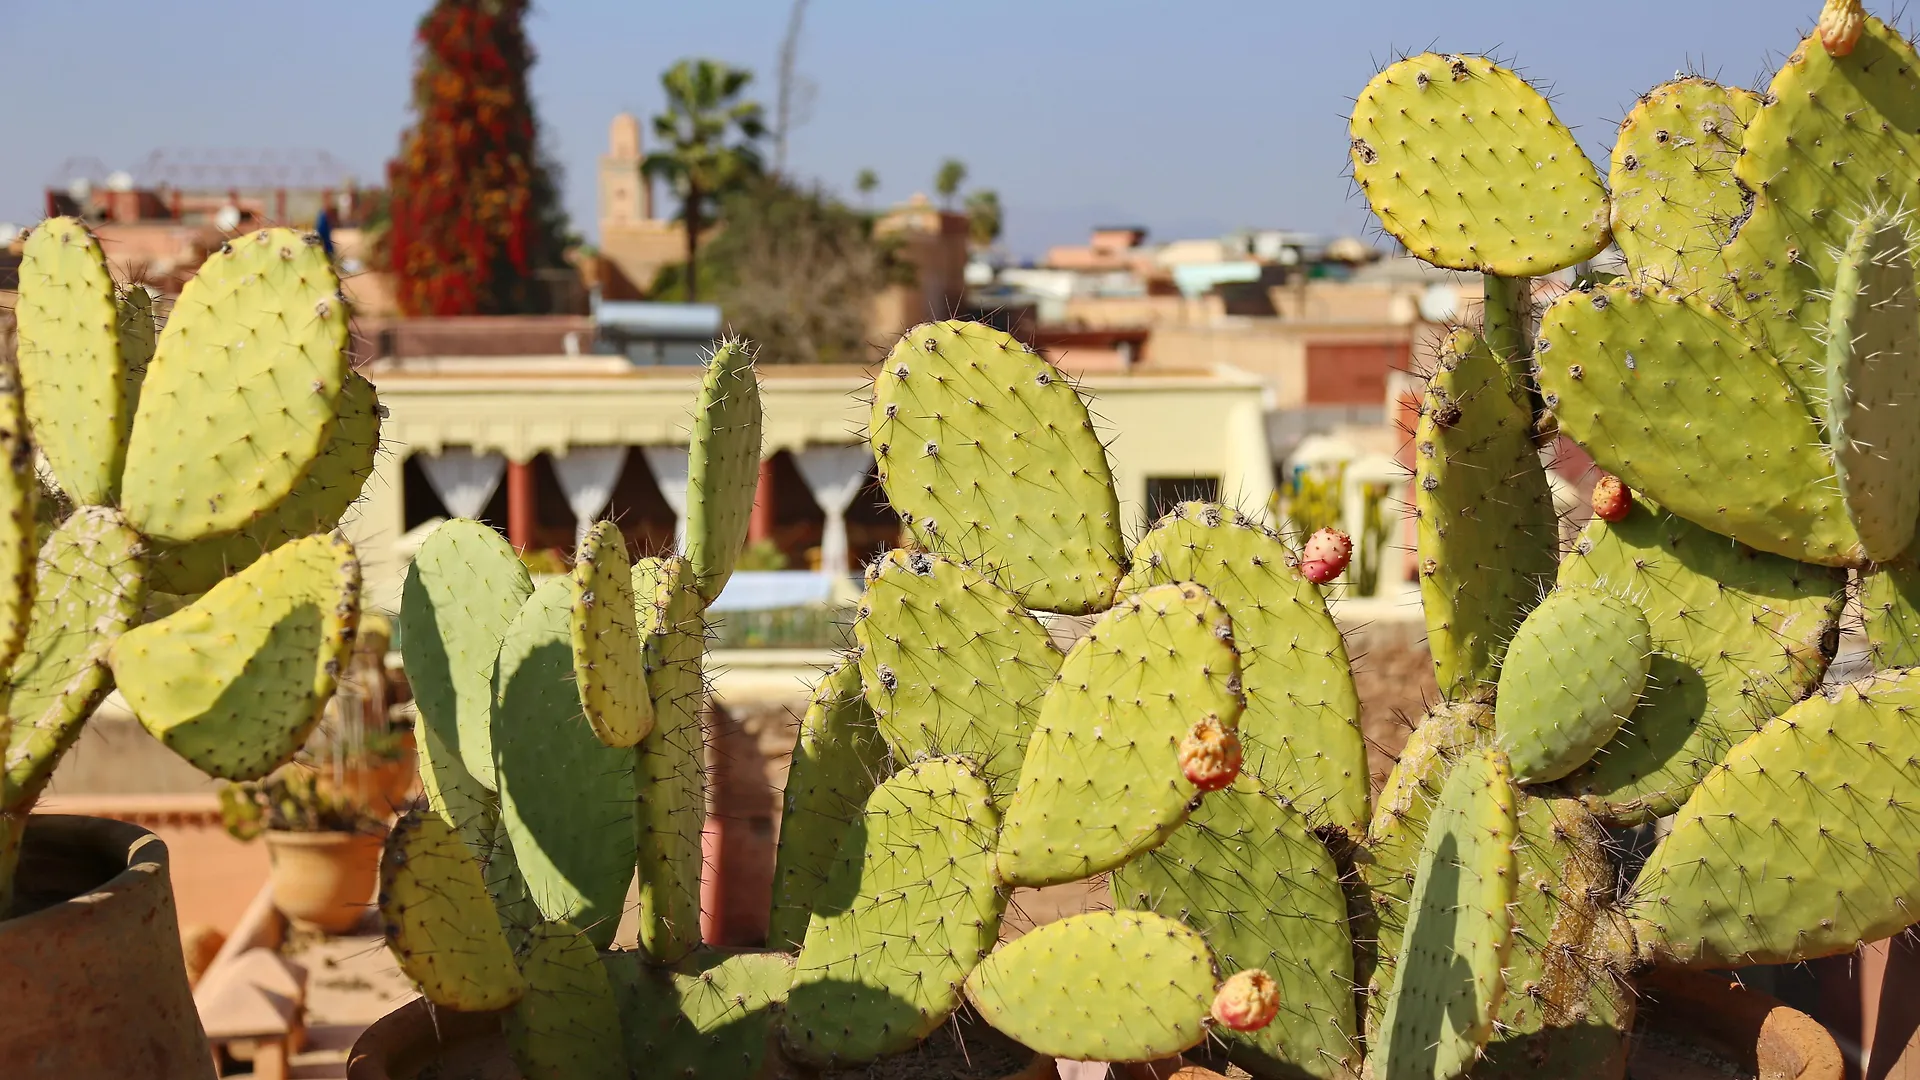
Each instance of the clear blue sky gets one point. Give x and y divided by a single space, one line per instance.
1187 117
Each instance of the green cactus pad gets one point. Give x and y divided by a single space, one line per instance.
1675 201
1488 535
1102 780
837 760
1801 844
20 513
951 664
723 466
1873 384
138 333
69 356
1737 636
1573 672
670 763
566 799
1781 266
243 390
1667 394
1890 610
1567 1010
712 1018
1466 165
330 487
464 586
439 921
1107 986
607 665
88 589
987 452
236 680
1245 871
1301 728
906 912
452 793
1447 987
567 1027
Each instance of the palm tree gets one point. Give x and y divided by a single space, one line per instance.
953 173
704 106
867 182
984 217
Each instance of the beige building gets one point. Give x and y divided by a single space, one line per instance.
634 244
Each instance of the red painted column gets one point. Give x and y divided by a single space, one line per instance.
760 525
520 504
713 881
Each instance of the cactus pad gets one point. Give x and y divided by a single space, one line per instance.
464 586
1102 780
453 793
1801 844
906 912
1890 610
951 664
607 665
712 1018
670 763
330 487
1245 871
243 390
439 921
1675 201
1301 728
1573 673
1737 636
837 760
19 517
89 587
1448 983
1488 533
70 366
1107 986
987 452
1466 165
566 799
567 1027
235 681
1873 384
1667 394
138 334
723 466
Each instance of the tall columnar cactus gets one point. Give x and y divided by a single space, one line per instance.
210 459
1746 378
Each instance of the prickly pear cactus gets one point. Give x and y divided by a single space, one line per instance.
439 919
1873 383
1572 674
70 359
567 1025
1675 201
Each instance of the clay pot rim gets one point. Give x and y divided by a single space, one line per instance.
139 852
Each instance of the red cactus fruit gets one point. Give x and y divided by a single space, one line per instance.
1210 754
1247 1001
1326 555
1611 499
1841 22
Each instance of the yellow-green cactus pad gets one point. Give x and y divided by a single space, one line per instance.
19 518
439 920
1873 384
987 452
70 366
1246 872
1103 780
243 390
1449 981
1668 395
1300 732
713 1018
567 1026
1107 986
1675 201
607 667
566 798
1488 534
951 664
1737 636
670 768
1466 165
837 759
1801 844
88 589
139 331
235 681
1890 610
330 487
723 466
1573 673
906 912
452 793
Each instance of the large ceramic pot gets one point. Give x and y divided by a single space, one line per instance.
93 984
324 880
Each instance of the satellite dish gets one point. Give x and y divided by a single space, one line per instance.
120 181
1440 303
227 219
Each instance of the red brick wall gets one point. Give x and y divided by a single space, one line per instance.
1353 372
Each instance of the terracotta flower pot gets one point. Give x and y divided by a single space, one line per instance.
93 985
324 880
